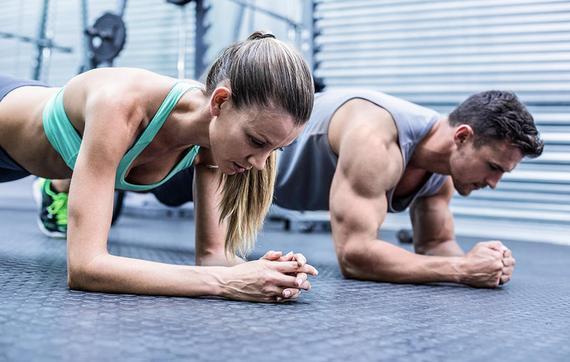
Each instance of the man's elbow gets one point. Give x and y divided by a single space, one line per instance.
350 263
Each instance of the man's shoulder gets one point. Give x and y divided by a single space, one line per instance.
371 159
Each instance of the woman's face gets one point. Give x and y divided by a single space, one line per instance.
244 138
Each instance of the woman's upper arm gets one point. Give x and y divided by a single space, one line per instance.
106 138
210 233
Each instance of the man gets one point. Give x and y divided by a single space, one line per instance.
378 154
364 154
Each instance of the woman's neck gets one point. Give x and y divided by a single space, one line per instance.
191 121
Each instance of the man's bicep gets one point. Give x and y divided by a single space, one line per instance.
357 209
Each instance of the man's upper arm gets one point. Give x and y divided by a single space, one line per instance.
358 203
431 217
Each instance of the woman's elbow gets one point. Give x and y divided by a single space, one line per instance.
78 277
81 274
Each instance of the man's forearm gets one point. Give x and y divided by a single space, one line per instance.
439 248
381 261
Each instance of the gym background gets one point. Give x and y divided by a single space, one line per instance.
434 53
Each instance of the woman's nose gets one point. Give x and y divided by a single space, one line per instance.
258 161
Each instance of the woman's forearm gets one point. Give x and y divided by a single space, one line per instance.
115 274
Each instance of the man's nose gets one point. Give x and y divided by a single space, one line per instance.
493 181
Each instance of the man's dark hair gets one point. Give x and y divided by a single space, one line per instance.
498 115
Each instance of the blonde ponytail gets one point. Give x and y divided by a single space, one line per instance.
246 199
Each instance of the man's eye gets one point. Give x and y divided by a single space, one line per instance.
493 167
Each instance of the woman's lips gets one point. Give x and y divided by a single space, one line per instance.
238 168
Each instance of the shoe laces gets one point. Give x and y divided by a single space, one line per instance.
58 207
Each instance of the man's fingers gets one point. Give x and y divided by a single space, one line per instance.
505 278
508 270
496 245
509 261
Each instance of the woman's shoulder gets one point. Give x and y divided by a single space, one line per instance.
121 85
120 78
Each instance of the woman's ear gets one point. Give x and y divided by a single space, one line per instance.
220 95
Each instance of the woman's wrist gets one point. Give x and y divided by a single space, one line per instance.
216 280
217 259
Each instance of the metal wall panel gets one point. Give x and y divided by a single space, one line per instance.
152 32
436 53
21 18
152 36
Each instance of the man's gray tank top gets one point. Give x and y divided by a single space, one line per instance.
306 167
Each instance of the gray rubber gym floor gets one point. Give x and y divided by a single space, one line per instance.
41 319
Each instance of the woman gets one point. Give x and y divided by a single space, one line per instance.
132 129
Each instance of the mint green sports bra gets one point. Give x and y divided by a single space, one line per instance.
66 141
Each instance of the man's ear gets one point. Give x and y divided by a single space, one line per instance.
463 134
220 95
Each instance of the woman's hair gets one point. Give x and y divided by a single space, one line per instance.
261 72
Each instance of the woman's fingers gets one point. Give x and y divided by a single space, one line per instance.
291 294
301 277
309 269
301 260
287 257
288 281
272 255
292 267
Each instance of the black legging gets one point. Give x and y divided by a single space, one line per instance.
177 190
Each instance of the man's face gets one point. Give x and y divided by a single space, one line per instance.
474 167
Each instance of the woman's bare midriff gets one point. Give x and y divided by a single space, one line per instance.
22 135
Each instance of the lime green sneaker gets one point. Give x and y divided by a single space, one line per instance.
52 218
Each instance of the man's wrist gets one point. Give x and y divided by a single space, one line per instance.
458 269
